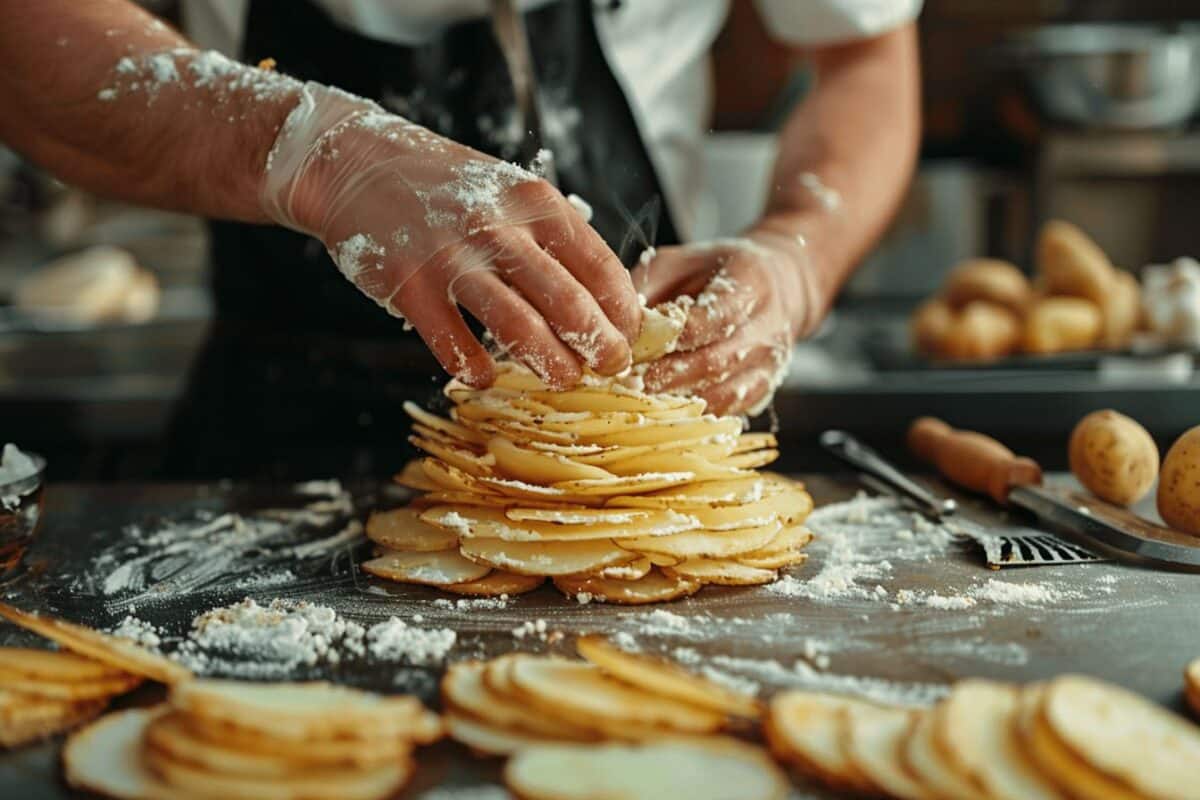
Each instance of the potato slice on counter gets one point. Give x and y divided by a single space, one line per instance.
626 484
1131 741
540 468
55 665
413 476
666 678
489 523
497 583
705 544
545 558
464 690
700 769
95 689
445 426
632 571
440 568
975 727
872 738
654 587
306 711
489 740
366 783
25 719
724 572
785 550
776 506
930 764
402 529
107 649
805 729
461 458
106 757
315 752
171 735
581 694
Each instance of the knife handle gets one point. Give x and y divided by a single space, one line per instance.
972 460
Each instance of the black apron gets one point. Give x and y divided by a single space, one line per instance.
302 375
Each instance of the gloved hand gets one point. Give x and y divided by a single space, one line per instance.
422 224
753 296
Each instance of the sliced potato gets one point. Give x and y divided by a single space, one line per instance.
660 331
523 464
25 719
54 665
737 491
805 729
95 689
666 678
497 583
698 769
665 431
653 587
669 463
461 458
451 429
545 494
705 544
627 572
106 757
581 694
489 740
464 690
724 572
402 529
440 568
750 460
451 478
118 653
545 558
626 484
413 476
577 516
318 752
489 523
872 738
306 711
931 766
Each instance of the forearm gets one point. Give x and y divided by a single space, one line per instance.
856 136
105 96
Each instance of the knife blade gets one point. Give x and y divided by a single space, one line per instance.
982 464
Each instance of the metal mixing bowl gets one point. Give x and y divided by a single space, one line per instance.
1113 75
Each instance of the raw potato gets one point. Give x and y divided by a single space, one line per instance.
805 729
55 665
1061 325
402 529
666 679
654 587
1071 264
1114 457
106 758
872 738
25 719
441 568
931 325
1191 685
1122 311
930 765
1179 486
465 691
998 282
709 769
982 331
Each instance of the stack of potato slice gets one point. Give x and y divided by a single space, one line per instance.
615 494
44 692
518 701
1072 737
223 739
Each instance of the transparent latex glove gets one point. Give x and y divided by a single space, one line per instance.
747 299
422 225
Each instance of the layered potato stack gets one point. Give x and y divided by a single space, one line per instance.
1070 737
613 493
988 309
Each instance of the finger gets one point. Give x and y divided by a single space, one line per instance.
739 394
707 365
517 327
440 324
573 313
725 304
585 255
671 272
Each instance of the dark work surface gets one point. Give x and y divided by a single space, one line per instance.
1126 624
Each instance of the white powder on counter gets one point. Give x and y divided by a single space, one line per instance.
1020 594
139 632
802 676
394 640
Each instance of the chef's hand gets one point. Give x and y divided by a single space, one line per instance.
422 225
753 296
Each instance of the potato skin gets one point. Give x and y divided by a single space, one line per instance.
1114 457
930 326
1071 264
1179 489
989 279
982 331
1062 324
1122 310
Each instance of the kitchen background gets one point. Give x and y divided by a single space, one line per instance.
1032 112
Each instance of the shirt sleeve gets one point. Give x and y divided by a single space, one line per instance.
830 21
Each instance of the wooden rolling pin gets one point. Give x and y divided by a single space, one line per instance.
972 460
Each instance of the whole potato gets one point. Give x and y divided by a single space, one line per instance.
1122 310
1114 457
930 326
1179 489
982 331
988 279
1061 324
1072 265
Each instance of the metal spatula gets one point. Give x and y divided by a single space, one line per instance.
1006 549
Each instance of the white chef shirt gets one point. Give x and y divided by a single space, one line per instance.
657 49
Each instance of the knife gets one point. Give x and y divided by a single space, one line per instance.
864 459
982 464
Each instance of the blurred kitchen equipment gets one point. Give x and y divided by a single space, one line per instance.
862 458
99 284
1112 75
984 465
20 508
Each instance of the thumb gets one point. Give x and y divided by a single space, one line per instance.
669 273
